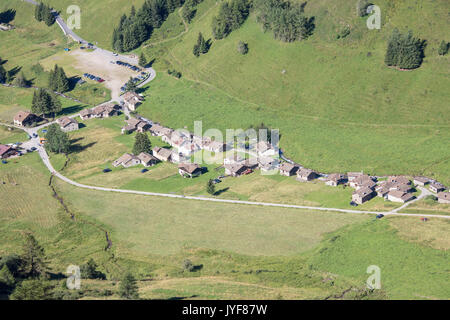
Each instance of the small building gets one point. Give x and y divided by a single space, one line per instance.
134 124
382 191
147 159
336 179
235 169
362 195
162 154
266 149
353 175
367 184
86 114
268 164
360 181
399 196
443 197
402 187
189 170
421 181
25 119
6 151
288 169
127 160
215 146
437 187
67 124
132 100
399 180
306 175
105 110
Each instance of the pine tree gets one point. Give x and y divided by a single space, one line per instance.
242 47
201 46
57 140
210 187
34 259
89 270
20 81
390 58
6 277
141 143
443 48
131 85
142 60
62 81
38 289
38 12
361 8
128 288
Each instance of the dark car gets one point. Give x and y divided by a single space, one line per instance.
216 181
379 216
353 204
106 170
33 149
144 170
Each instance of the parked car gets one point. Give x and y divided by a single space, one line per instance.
33 149
353 204
216 181
379 216
115 54
106 170
144 170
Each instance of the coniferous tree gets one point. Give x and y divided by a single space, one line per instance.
34 259
201 47
404 51
443 48
21 81
142 60
210 187
361 7
57 140
6 278
142 143
128 288
131 85
242 47
189 10
37 289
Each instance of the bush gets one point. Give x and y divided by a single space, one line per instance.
242 47
187 265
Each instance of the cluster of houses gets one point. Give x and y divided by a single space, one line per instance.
101 111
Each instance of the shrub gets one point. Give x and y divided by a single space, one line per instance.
242 47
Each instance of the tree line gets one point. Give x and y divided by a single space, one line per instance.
43 12
45 103
136 28
285 19
230 17
190 9
27 276
404 51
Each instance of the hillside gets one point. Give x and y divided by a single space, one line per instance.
337 105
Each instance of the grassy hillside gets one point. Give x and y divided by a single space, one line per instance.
337 105
240 252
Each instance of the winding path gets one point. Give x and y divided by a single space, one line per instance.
44 156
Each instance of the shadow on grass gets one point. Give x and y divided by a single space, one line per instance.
71 109
75 148
7 16
219 192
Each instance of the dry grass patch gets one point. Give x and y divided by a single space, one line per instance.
434 233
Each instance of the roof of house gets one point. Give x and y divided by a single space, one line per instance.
286 166
437 185
4 149
369 183
125 158
109 107
162 152
85 112
422 179
399 179
354 174
65 121
336 177
362 179
235 167
303 172
146 157
189 167
444 195
263 146
133 122
21 115
131 97
400 195
363 191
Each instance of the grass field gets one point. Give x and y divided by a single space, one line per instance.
31 42
11 135
13 100
240 251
